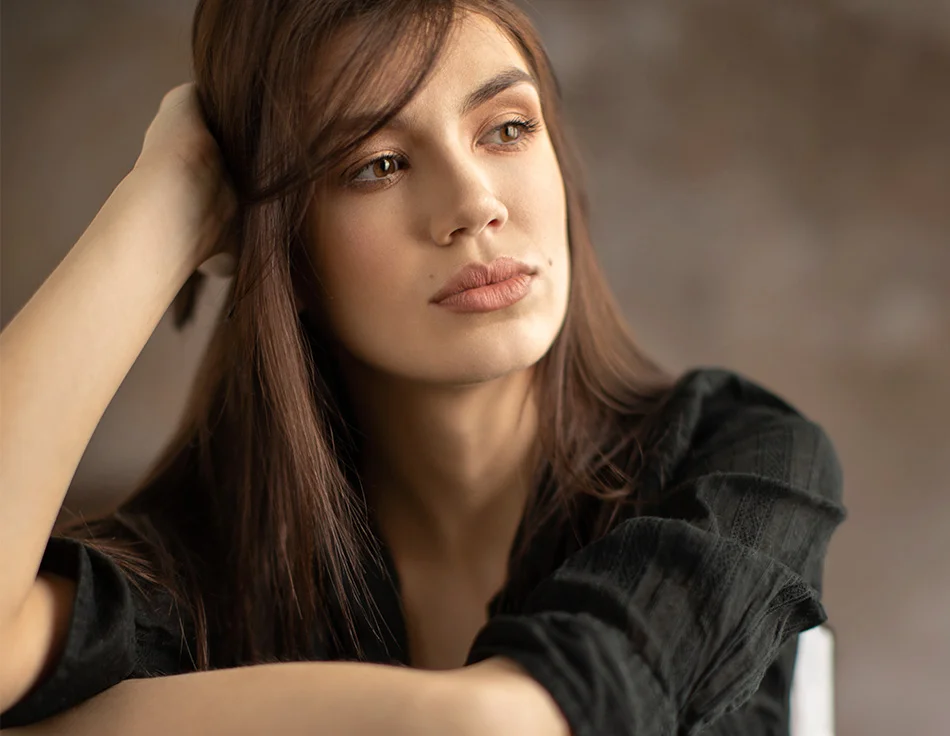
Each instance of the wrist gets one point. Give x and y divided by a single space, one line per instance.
183 209
139 218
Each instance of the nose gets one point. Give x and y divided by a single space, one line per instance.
464 202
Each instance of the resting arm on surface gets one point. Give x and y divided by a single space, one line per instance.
124 667
346 698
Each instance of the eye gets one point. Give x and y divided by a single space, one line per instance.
379 169
513 135
516 131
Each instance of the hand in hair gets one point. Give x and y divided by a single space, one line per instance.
179 145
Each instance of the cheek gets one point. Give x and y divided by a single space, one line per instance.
548 225
353 253
543 204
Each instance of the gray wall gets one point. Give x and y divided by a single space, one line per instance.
771 193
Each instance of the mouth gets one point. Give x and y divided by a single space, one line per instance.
504 271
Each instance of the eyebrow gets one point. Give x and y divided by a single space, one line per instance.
486 91
495 86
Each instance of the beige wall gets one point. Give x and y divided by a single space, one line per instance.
771 193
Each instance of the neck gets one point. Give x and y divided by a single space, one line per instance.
448 469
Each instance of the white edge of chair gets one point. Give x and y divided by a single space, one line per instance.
812 699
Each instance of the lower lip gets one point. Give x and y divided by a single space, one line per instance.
491 297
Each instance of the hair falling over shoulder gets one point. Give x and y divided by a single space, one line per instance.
253 516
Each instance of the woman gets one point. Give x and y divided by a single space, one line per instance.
421 435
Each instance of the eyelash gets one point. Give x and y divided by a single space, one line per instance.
528 126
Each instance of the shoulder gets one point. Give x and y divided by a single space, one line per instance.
704 394
716 420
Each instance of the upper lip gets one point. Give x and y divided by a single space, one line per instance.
473 275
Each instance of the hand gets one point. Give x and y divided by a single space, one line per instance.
182 163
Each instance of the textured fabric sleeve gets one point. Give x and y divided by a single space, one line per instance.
670 621
114 634
768 711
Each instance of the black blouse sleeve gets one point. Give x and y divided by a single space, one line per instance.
671 621
115 633
767 712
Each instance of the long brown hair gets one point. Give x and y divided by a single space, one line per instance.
253 516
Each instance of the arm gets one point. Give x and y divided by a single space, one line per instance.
512 701
671 620
768 711
66 352
61 360
346 698
119 638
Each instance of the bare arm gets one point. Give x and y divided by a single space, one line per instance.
352 699
61 361
64 355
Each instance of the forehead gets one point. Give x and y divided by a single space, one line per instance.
473 40
475 50
477 41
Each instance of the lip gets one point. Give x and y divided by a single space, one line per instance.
475 275
489 298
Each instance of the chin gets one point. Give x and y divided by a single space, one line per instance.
484 356
477 359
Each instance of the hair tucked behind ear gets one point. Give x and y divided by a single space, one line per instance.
253 517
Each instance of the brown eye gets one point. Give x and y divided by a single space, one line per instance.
511 131
383 167
515 133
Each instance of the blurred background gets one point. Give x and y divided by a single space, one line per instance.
771 193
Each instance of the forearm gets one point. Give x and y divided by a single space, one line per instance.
326 698
63 357
492 698
511 701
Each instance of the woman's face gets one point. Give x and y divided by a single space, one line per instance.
447 184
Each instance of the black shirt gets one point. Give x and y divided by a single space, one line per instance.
677 622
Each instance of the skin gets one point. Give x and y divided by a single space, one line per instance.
445 397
